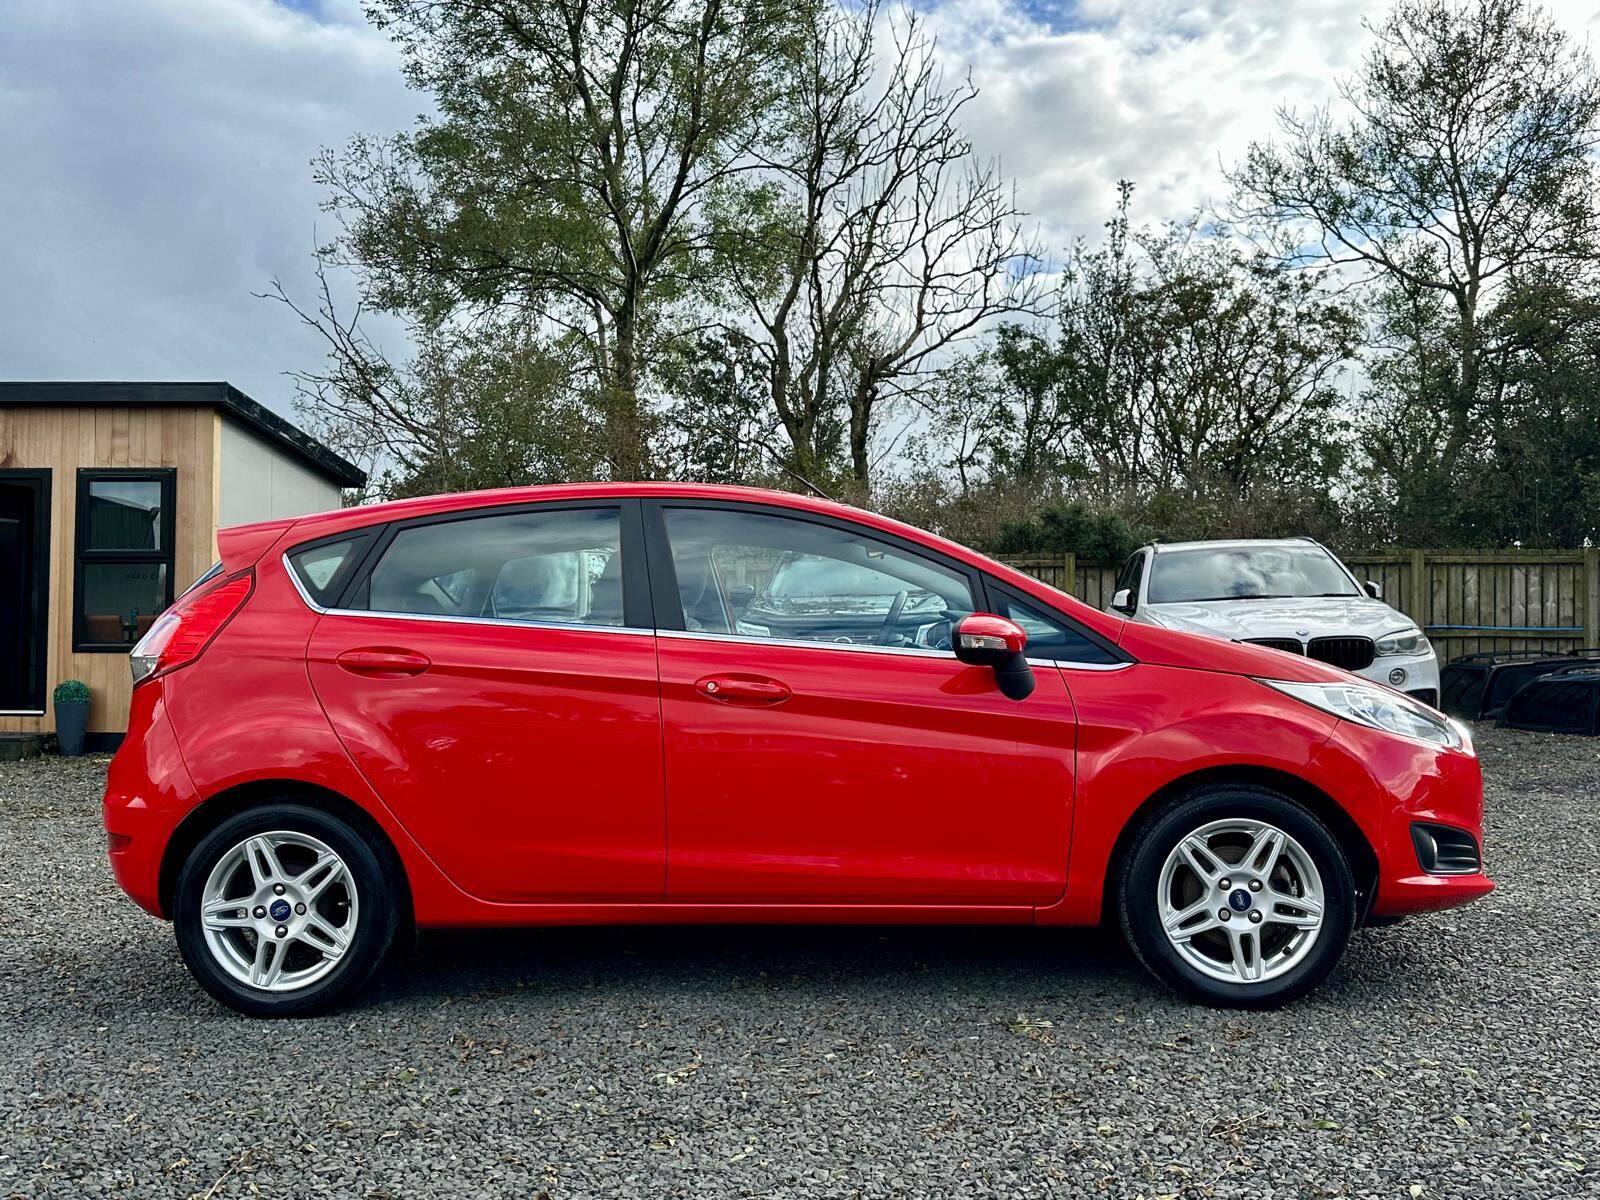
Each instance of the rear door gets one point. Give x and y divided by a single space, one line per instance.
493 674
823 745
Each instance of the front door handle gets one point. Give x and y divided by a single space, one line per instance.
384 662
750 691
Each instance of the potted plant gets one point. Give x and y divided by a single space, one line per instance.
72 715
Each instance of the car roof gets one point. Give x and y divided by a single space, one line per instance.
283 534
1239 544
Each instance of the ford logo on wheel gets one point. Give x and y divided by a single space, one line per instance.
1239 899
280 910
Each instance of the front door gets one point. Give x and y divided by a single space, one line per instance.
823 745
494 677
24 545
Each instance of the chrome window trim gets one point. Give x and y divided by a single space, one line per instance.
1071 665
860 648
803 643
499 622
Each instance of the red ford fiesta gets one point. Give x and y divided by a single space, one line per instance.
627 703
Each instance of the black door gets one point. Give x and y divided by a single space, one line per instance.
24 550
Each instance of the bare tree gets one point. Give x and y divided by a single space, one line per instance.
1470 157
493 404
880 241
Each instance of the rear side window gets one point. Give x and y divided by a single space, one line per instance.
324 569
561 566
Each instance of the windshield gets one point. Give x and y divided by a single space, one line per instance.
1246 573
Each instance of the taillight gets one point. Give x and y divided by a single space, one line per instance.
185 629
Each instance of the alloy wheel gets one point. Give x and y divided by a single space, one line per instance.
1240 900
279 910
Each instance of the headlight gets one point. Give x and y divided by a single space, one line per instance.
1377 708
1404 641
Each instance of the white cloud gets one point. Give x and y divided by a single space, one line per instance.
154 173
1163 92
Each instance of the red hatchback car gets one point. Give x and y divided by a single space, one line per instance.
676 703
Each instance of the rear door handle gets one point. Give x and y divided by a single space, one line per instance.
750 691
384 662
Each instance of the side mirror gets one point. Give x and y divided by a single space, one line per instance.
740 597
1122 600
985 640
1373 589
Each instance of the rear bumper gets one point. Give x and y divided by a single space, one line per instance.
1387 783
148 790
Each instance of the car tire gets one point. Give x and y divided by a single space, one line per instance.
327 922
1265 952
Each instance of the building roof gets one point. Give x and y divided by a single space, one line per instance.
224 397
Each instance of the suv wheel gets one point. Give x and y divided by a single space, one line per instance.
1237 896
283 910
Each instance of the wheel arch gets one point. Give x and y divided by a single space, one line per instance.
210 813
1358 849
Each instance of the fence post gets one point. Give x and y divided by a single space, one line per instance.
1069 572
1591 596
1417 600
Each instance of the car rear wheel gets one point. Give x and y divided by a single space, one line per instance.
283 910
1237 896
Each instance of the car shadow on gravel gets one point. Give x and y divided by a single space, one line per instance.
841 962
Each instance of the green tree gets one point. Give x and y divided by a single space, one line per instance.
562 184
1469 159
1179 364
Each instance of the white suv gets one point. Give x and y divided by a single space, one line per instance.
1290 595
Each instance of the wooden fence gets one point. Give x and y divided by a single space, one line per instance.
1466 601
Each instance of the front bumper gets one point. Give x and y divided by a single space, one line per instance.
1418 674
1387 784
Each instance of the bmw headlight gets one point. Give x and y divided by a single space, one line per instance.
1378 708
1403 641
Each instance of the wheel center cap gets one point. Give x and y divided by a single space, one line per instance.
1238 900
281 909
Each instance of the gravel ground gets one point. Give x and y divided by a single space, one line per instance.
1451 1056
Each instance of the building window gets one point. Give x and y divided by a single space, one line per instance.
124 559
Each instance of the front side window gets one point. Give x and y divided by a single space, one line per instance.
1247 573
124 556
561 566
753 575
1132 572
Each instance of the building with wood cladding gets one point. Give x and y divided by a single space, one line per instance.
111 495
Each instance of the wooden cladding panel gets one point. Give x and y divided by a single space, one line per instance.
67 438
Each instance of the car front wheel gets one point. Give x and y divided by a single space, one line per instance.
283 910
1237 896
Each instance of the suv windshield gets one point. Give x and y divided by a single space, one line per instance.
1246 573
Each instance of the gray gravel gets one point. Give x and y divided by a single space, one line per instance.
1449 1056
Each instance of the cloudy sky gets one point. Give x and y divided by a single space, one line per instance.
153 153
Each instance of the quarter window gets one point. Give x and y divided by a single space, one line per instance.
561 566
1050 636
752 575
124 556
324 569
